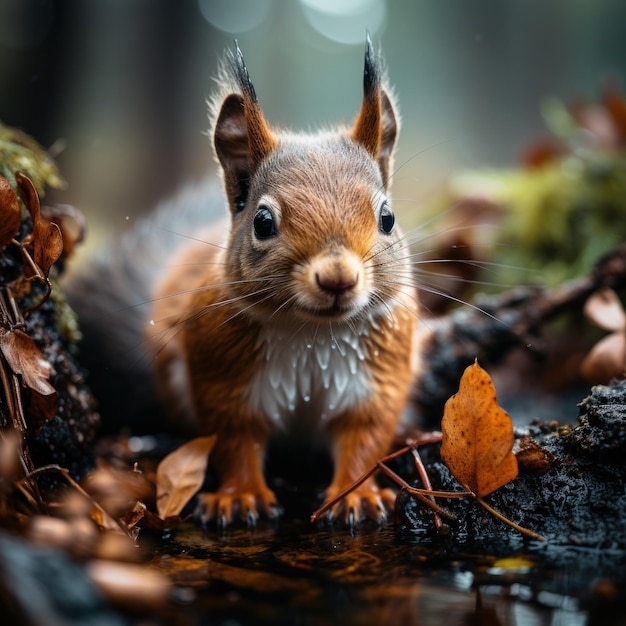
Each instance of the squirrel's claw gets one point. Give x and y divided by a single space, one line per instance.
362 504
226 508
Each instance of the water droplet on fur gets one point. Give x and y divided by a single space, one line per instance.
307 398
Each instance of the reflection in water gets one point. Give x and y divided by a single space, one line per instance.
297 573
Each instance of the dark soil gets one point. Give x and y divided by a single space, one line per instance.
579 498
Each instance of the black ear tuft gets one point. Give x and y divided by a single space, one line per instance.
376 125
241 136
372 71
241 75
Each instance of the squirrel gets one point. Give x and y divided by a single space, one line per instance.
302 317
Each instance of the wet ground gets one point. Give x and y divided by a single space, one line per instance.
481 573
299 574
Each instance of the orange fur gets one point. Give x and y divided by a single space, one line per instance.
308 276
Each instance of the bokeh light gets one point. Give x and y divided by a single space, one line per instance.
345 22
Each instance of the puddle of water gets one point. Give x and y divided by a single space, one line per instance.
299 574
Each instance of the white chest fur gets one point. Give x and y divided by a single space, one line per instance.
312 373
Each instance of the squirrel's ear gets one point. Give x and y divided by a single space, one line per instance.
241 136
376 126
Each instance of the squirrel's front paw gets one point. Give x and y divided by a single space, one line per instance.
227 505
366 502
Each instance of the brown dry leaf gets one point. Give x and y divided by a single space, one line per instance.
140 518
607 359
52 247
604 309
180 474
116 490
130 585
26 360
10 468
46 237
10 215
532 459
477 435
70 220
154 523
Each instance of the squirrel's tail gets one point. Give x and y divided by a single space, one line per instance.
111 296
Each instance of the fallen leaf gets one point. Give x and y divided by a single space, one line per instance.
532 459
130 585
26 360
10 468
607 359
512 564
140 517
117 489
10 215
604 309
46 237
71 222
154 523
477 435
180 474
52 247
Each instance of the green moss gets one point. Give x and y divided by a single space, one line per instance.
21 153
557 218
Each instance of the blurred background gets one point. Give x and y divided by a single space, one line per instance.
120 85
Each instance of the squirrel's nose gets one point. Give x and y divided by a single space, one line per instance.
336 284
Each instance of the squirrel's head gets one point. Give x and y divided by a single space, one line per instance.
310 208
243 139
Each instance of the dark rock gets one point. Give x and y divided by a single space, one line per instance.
601 435
579 501
43 586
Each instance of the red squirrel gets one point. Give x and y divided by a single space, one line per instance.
304 317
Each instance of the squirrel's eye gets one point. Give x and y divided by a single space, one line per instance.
386 219
264 226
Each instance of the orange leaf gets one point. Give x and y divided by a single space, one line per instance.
180 474
477 435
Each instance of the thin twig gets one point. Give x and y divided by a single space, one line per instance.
49 469
423 495
521 529
421 471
